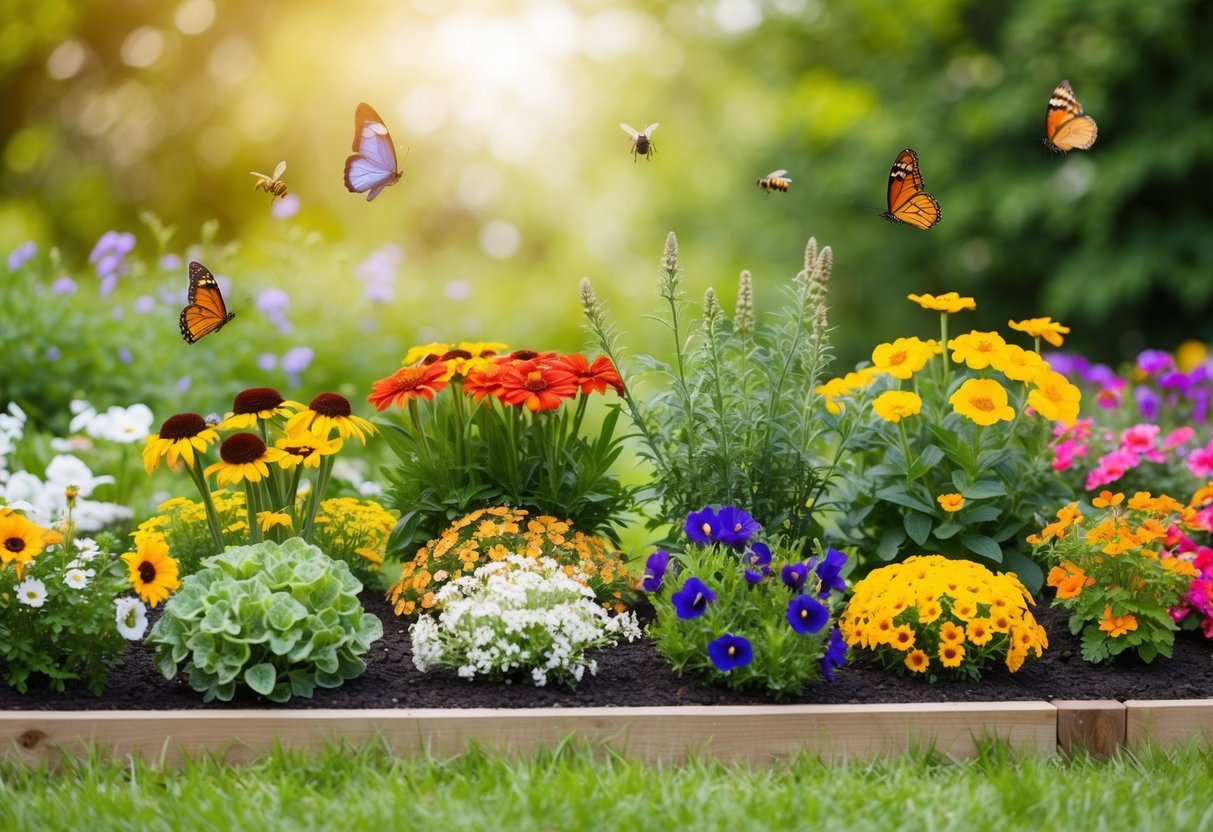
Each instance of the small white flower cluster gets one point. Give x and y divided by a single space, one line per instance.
12 428
43 499
518 614
117 424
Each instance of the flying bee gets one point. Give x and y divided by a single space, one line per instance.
776 180
642 143
272 185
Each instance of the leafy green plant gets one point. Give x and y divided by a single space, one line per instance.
736 416
744 612
951 452
1114 574
279 619
482 429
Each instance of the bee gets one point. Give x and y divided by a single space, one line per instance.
776 180
272 185
642 144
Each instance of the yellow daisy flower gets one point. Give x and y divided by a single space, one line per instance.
178 438
1045 328
894 405
304 447
153 573
1055 398
255 405
949 302
983 401
242 457
976 349
328 411
20 540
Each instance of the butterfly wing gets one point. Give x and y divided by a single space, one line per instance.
908 202
205 312
1066 128
372 166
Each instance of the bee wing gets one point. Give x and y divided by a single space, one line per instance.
627 128
260 175
776 174
281 169
648 131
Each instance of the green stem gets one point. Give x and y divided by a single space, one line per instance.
212 517
322 481
905 447
251 507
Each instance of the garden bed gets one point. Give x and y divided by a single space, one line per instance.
637 704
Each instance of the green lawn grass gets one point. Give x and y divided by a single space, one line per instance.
572 789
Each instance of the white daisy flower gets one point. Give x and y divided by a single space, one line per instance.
131 617
78 578
87 548
31 592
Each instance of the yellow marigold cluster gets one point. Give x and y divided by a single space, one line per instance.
493 533
182 522
932 615
354 530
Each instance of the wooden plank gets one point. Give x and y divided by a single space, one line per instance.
1166 723
754 734
1096 726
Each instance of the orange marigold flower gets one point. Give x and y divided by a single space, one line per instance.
950 633
950 502
976 349
538 384
951 655
1046 328
406 384
978 631
1107 499
1117 625
486 381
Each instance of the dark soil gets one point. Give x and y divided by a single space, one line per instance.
635 674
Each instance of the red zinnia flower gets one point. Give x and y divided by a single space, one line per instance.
486 381
593 378
538 384
406 384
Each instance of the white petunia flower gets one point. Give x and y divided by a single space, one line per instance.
31 592
78 578
86 548
131 617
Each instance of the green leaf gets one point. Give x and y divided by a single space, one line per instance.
1028 570
261 678
945 530
981 514
983 489
918 526
898 495
890 542
983 546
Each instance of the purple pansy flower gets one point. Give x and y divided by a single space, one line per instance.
1148 402
692 600
736 526
730 651
1154 361
830 572
703 526
835 655
654 570
757 561
807 615
794 575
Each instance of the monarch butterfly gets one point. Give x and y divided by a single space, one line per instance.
908 202
642 142
372 165
1066 128
206 311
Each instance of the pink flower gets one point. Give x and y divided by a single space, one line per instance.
1140 440
1109 398
1200 461
1177 437
1179 613
1111 468
1065 453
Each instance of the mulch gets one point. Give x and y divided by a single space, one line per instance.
636 675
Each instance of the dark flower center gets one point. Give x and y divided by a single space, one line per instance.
535 381
299 450
450 355
15 544
182 426
256 399
241 448
331 404
147 572
523 355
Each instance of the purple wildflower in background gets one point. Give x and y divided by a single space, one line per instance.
64 286
184 383
835 655
1147 402
295 361
52 353
273 303
144 304
170 262
117 313
736 526
692 600
21 255
109 258
730 651
654 570
830 573
757 561
124 355
807 615
1103 375
285 208
379 272
1069 364
794 575
267 361
1154 361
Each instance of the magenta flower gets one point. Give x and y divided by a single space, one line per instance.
1141 440
1200 461
1178 437
1064 454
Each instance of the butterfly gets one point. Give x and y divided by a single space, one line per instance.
206 311
372 165
1066 128
908 202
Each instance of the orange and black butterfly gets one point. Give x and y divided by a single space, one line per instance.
909 204
206 311
1066 128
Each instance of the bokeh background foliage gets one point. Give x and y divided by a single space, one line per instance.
518 180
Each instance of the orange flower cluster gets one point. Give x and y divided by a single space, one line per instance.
536 381
491 534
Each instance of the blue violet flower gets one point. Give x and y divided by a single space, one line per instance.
730 651
830 573
703 526
692 600
735 527
836 655
654 570
807 615
794 575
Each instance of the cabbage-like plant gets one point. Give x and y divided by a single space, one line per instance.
282 619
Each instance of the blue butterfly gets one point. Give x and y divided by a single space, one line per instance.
372 165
